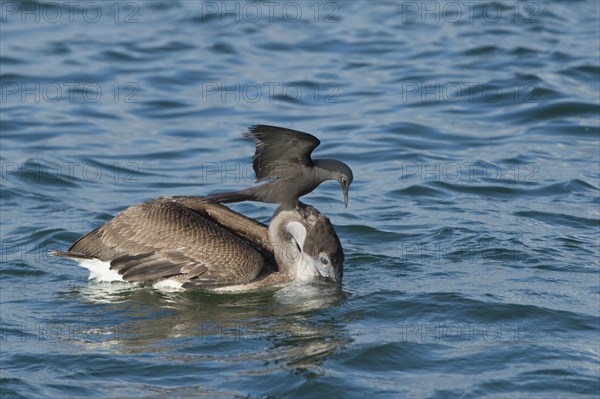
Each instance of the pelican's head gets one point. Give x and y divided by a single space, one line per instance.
306 245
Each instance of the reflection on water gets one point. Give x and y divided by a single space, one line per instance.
193 325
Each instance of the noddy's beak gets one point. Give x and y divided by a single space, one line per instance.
345 196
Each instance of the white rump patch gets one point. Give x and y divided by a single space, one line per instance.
100 270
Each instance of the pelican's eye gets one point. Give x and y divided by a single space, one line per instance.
324 260
344 181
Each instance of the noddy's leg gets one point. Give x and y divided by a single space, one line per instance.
301 208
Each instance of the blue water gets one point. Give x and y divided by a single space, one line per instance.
471 236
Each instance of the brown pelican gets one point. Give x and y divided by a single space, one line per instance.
184 242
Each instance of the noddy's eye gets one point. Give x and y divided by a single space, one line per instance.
324 261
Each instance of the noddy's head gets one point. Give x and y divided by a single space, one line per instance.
315 249
338 171
345 178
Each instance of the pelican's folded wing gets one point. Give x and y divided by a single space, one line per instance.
163 238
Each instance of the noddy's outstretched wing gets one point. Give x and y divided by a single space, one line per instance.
163 238
278 149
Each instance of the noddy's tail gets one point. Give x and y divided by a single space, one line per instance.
226 198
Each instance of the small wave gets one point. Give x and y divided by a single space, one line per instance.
419 190
552 111
560 219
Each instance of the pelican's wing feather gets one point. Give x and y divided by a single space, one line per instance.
163 238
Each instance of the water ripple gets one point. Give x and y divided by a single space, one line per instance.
471 236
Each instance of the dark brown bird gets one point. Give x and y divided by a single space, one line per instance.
284 157
185 242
